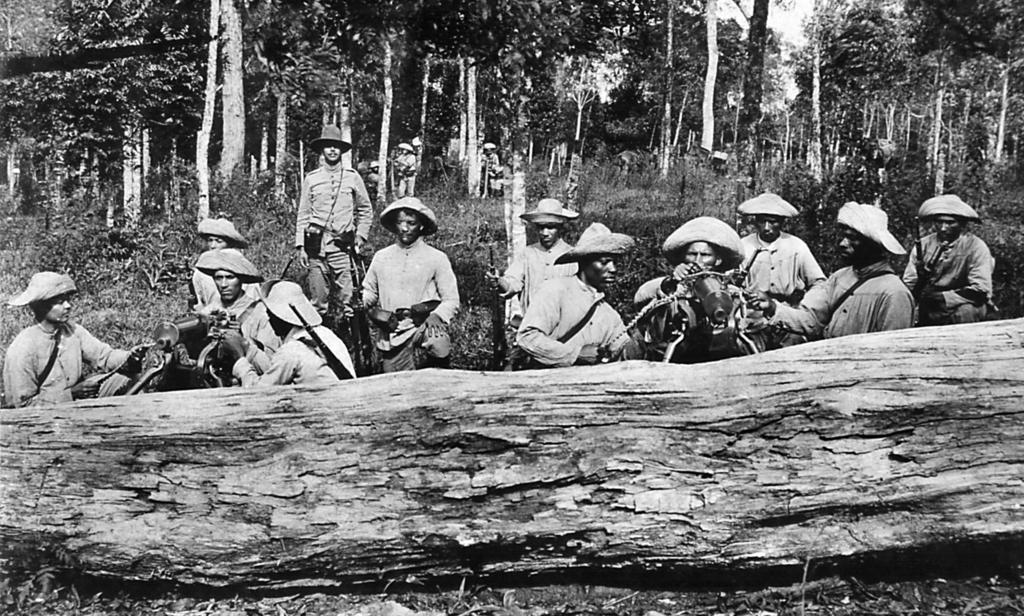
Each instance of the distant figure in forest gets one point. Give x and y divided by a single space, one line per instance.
370 172
950 270
865 296
492 171
334 216
410 291
777 264
568 321
405 168
215 234
629 162
45 362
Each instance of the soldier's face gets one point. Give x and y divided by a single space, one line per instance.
769 228
703 254
228 286
332 154
948 228
548 234
600 273
56 311
214 242
409 227
853 247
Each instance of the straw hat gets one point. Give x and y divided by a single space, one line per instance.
595 241
549 211
768 204
43 286
406 147
704 229
330 135
490 146
228 260
279 297
222 227
947 205
872 223
387 217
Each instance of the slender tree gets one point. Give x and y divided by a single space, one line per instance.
707 140
232 155
209 101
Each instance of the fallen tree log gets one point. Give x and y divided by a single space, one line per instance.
898 450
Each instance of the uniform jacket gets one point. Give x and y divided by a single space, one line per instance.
351 212
961 270
536 265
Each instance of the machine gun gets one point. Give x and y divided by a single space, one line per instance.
700 319
186 354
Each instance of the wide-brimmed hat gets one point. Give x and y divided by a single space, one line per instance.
228 260
768 204
872 223
387 217
374 165
330 135
597 240
363 166
406 147
549 212
947 205
416 142
222 227
704 229
279 297
43 286
490 146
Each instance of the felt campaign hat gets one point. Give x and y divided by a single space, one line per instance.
387 217
767 204
704 229
947 205
549 211
281 295
228 260
222 227
597 240
43 286
872 223
331 135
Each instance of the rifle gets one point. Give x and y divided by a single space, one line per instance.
333 362
499 344
922 268
358 326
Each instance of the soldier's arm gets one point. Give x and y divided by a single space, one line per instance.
362 209
978 288
21 380
910 273
810 317
447 288
100 354
534 337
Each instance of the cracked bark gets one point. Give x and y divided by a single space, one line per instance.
895 452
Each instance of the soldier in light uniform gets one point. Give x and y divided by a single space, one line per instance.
405 168
334 215
492 170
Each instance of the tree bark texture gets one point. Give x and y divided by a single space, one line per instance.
707 139
209 102
899 451
281 144
814 147
131 170
472 147
753 86
232 154
385 125
938 161
666 120
1003 104
463 115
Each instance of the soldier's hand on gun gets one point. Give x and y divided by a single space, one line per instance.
302 257
434 325
357 245
589 355
135 357
759 300
84 389
234 345
686 269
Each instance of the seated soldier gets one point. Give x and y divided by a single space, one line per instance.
568 321
44 362
410 291
695 314
230 271
778 264
215 233
954 284
299 359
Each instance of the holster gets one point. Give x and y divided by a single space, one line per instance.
312 240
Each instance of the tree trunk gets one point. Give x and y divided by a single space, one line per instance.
12 168
209 102
899 452
264 146
707 140
679 122
385 126
146 160
1003 104
666 120
814 148
463 115
131 171
423 101
753 82
281 145
472 150
232 153
938 161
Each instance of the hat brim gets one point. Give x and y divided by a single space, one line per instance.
26 298
243 278
387 220
283 310
612 244
320 143
542 218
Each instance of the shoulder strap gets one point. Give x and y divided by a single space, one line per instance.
849 292
567 336
49 362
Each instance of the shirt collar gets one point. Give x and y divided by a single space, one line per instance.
877 267
413 246
589 289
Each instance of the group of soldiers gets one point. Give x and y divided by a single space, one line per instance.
725 295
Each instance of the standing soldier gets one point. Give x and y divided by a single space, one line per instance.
537 262
492 171
950 270
334 215
405 168
778 264
410 291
